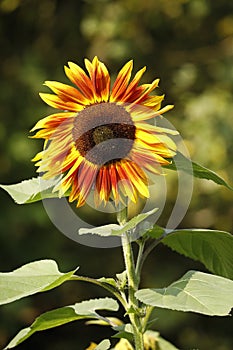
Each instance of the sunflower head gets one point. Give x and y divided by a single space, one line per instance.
101 141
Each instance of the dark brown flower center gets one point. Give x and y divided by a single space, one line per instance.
104 133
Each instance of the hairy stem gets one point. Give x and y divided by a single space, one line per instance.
133 282
133 307
141 244
148 250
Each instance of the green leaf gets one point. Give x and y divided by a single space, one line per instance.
108 280
157 232
45 321
196 292
212 248
124 331
131 224
103 231
117 230
104 345
33 190
89 307
180 162
35 277
58 317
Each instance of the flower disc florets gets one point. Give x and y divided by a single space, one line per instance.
103 133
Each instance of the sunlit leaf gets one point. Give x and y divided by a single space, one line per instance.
89 307
45 321
108 280
196 292
61 316
103 231
104 345
134 222
33 190
117 230
35 277
180 162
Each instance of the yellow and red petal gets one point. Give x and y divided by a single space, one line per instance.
78 76
154 102
147 89
155 129
53 121
114 182
141 114
66 92
136 176
83 181
121 82
132 92
103 184
86 179
100 79
56 102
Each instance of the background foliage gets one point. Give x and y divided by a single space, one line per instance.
189 45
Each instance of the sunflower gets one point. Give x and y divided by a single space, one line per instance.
101 141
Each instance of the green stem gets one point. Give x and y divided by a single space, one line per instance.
133 307
133 282
141 244
147 252
149 310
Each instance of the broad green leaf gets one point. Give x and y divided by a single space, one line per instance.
58 317
180 162
213 248
196 292
35 277
131 224
32 190
103 231
45 321
117 230
104 345
89 307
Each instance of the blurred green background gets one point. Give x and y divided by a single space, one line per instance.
189 45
